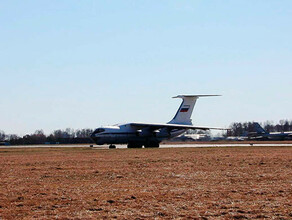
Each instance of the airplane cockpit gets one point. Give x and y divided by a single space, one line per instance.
98 130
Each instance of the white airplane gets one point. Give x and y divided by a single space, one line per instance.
136 135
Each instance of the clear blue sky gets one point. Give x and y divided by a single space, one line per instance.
82 64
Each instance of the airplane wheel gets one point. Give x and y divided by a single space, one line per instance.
112 146
134 145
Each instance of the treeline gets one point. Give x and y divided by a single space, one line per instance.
239 128
67 136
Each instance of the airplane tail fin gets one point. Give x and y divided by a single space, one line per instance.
259 128
184 112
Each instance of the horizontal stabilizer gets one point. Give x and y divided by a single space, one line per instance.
181 96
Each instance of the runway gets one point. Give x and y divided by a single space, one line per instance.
195 145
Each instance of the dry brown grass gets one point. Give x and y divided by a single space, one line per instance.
207 183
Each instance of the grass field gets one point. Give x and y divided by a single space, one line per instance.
204 183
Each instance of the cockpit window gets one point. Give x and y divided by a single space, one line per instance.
99 130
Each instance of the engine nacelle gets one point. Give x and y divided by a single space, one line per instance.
147 133
155 132
138 132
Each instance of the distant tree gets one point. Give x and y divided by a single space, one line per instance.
286 126
83 133
39 132
281 125
268 126
66 136
51 138
68 133
39 137
27 139
14 139
57 134
236 129
2 136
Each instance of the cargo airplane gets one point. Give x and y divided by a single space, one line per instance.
136 135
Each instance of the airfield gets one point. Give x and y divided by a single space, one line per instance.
241 181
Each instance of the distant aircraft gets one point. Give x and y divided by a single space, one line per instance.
136 135
261 134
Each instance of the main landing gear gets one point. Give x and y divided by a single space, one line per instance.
152 145
135 145
112 146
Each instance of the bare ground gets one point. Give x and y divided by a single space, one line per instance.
203 183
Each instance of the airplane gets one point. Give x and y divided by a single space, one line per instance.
261 134
149 135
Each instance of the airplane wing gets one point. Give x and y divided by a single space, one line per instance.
155 126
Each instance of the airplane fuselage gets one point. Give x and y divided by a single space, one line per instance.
277 136
125 133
